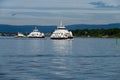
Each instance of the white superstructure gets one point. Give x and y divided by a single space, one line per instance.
20 35
61 33
36 34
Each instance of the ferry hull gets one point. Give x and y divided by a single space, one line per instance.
19 37
62 38
70 37
36 37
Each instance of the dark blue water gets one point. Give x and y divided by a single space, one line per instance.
46 59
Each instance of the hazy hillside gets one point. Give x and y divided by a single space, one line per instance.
25 28
49 29
93 26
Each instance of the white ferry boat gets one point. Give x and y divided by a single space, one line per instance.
20 35
61 33
36 34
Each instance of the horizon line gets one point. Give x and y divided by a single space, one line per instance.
57 25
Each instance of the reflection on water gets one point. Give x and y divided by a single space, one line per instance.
59 63
78 59
62 46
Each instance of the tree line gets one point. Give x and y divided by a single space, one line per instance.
114 32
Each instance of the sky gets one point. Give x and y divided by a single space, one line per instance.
51 12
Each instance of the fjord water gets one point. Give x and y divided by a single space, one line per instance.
46 59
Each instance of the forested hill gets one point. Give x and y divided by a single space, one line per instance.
25 28
49 29
94 26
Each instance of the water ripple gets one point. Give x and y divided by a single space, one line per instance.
2 74
78 56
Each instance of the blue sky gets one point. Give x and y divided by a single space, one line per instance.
50 12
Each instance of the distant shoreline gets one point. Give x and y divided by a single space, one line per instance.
84 33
